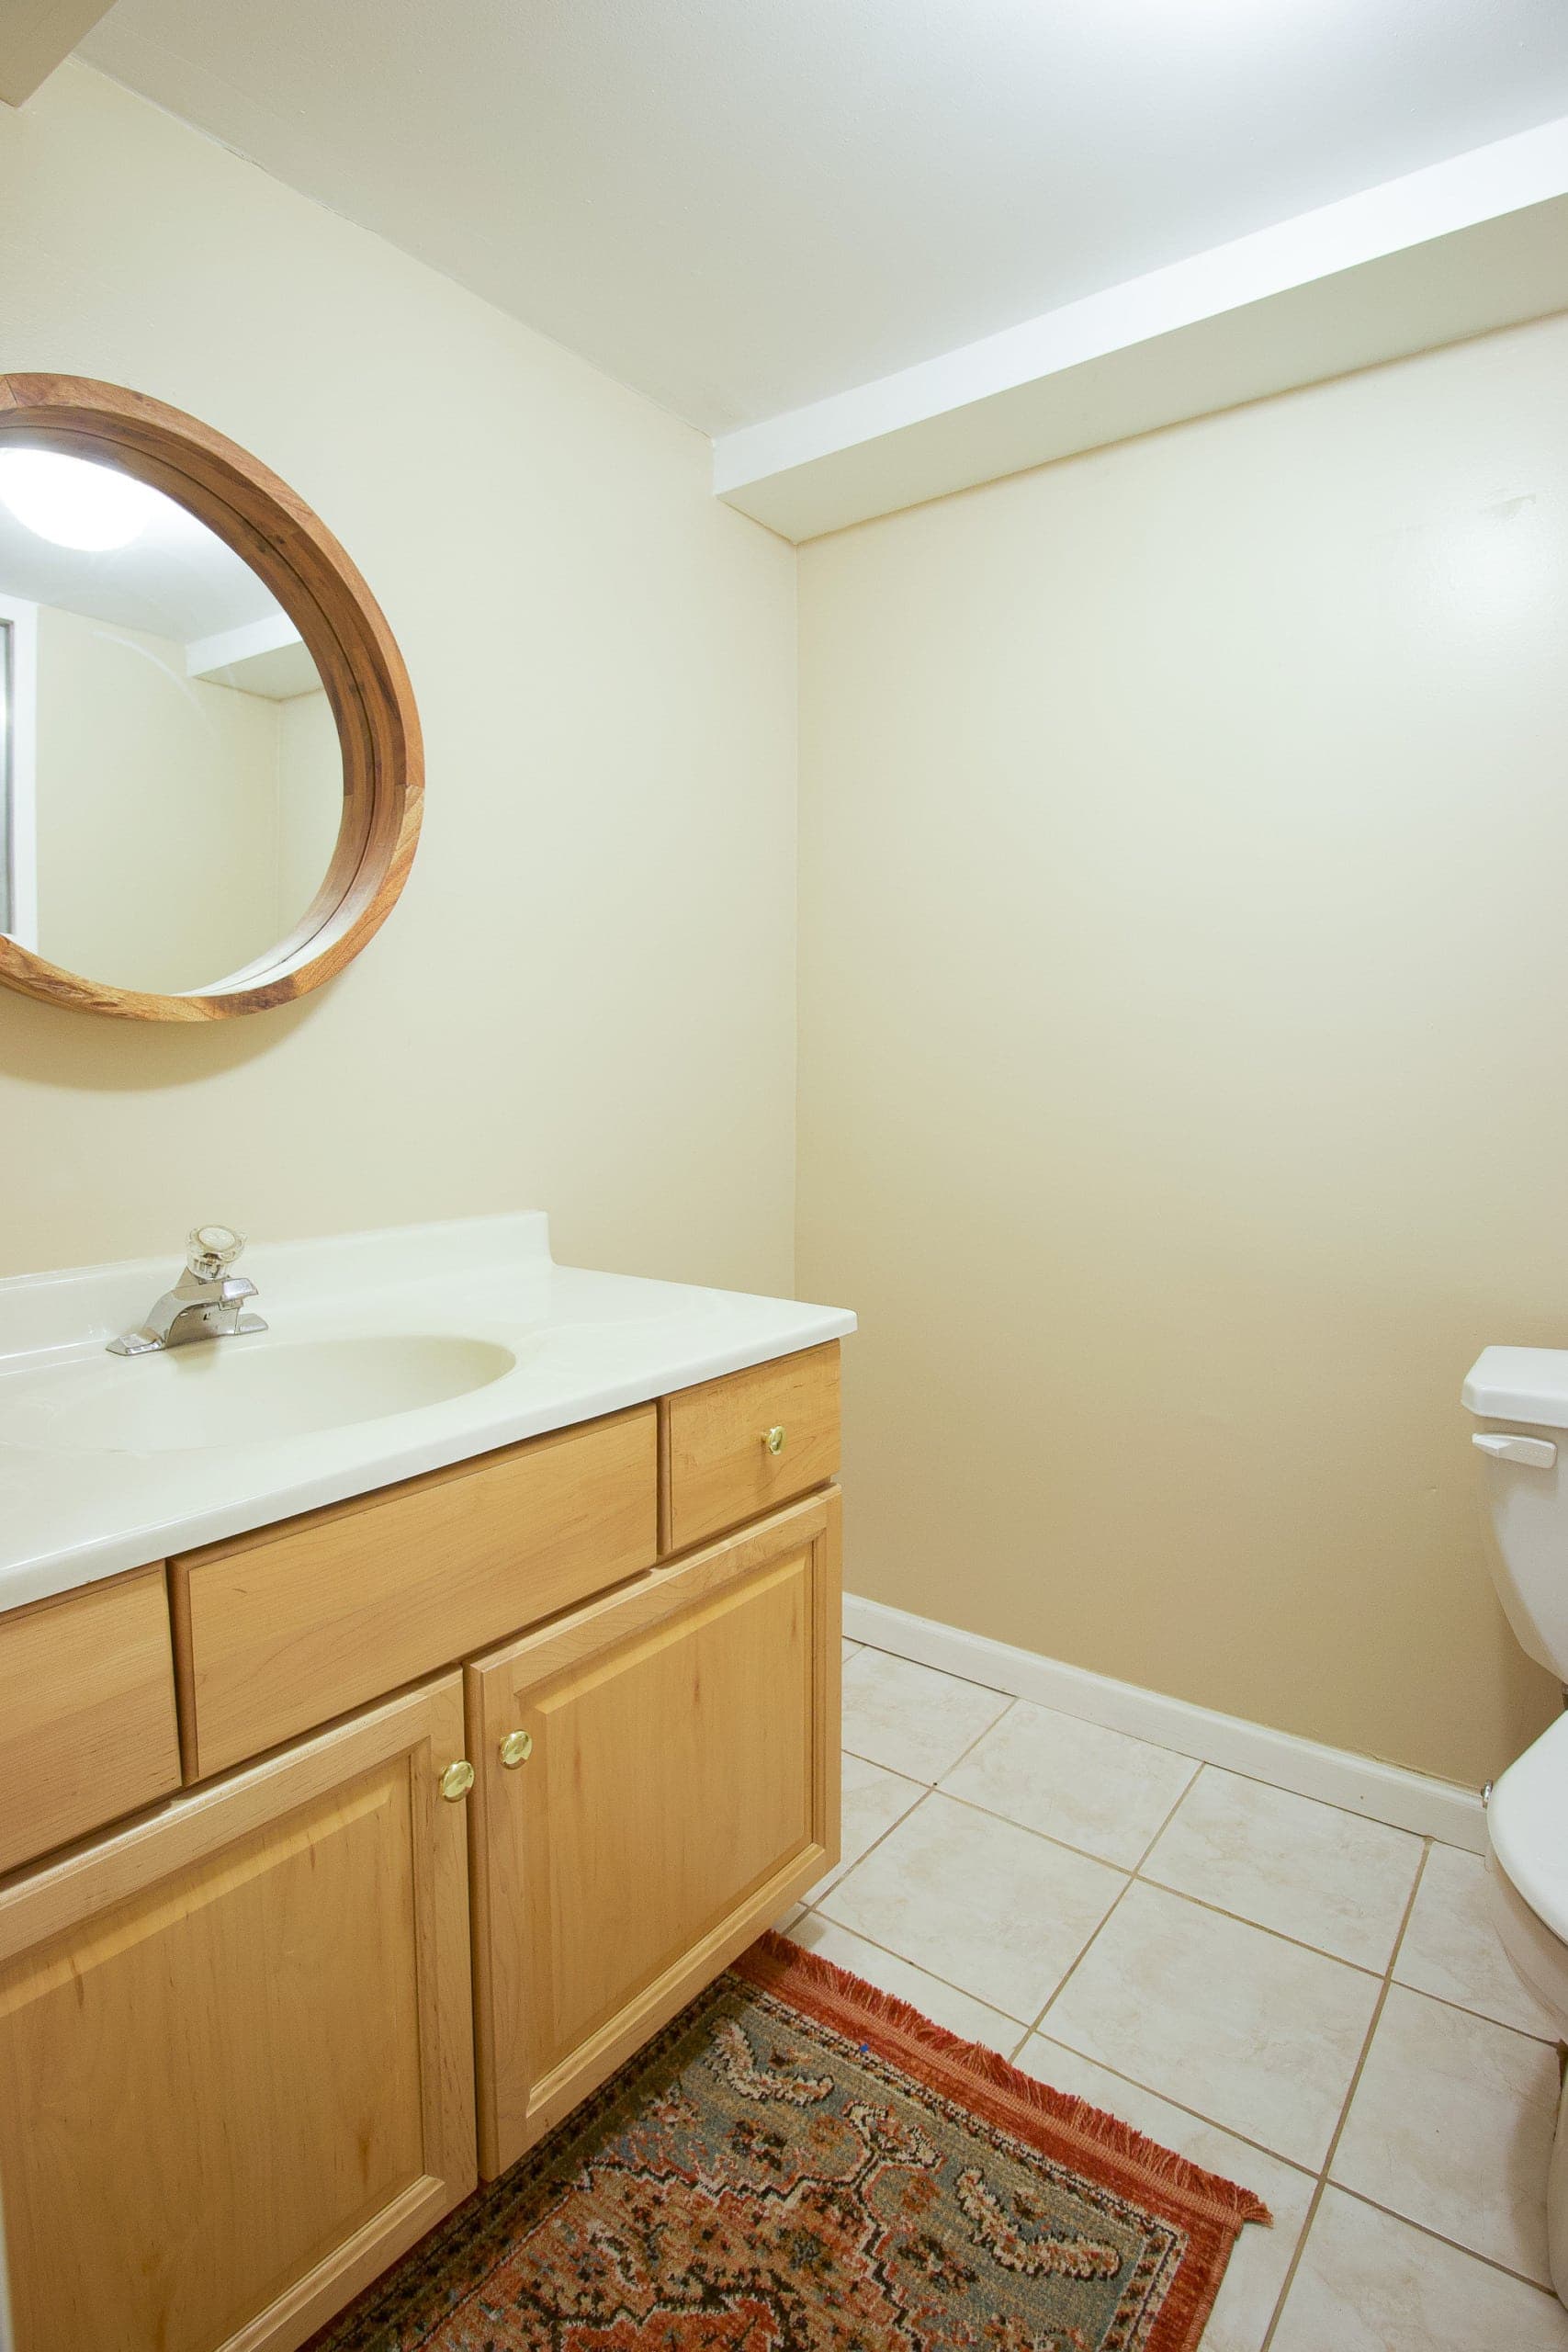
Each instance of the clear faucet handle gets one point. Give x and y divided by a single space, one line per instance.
212 1249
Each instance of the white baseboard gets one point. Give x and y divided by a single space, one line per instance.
1389 1792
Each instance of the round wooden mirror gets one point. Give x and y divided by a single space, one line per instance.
210 768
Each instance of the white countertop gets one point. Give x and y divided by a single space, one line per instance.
584 1343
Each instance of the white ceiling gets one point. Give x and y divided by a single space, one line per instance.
175 577
743 206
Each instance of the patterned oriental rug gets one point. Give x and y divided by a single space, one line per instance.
799 2162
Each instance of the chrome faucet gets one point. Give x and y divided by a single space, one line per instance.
203 1305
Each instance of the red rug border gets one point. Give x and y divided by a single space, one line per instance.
1211 2210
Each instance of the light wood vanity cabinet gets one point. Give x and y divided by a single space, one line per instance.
736 1447
240 2036
235 2047
657 1778
87 1712
279 1630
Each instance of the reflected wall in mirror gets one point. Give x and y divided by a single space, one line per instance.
210 768
173 785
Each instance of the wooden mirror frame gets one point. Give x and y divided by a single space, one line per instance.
346 634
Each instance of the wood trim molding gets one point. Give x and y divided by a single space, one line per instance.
346 634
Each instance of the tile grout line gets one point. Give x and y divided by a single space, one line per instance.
1073 1967
1389 1980
1087 1853
1132 1874
927 1789
934 1787
1202 1763
1006 1710
945 1672
1482 2016
1063 1845
1242 1919
1135 2083
920 1970
1323 2181
1139 1870
841 1869
931 1788
1181 1893
1387 1977
1150 2090
1395 1981
1131 1881
1521 2278
1201 1903
1027 2033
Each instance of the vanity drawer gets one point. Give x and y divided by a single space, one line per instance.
279 1630
719 1466
87 1712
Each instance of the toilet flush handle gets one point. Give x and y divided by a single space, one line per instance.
1539 1452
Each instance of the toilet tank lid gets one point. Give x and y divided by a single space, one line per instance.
1519 1385
1524 1824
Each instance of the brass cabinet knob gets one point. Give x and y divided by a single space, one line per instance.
456 1780
516 1748
774 1438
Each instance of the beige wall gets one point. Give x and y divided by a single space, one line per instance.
585 1000
183 827
1184 976
1181 923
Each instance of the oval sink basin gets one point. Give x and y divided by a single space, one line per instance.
239 1392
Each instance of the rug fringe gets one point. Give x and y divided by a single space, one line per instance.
774 1952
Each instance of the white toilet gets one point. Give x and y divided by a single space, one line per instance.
1520 1396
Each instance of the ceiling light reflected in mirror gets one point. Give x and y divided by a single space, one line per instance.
73 503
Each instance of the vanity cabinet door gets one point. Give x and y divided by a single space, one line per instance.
235 2047
658 1779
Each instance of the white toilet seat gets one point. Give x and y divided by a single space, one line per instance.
1539 1959
1527 1866
1520 1396
1527 1827
1528 1881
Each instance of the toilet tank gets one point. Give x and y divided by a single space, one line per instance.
1520 1398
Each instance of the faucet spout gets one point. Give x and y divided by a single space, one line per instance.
204 1303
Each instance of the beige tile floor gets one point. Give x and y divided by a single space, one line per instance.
1310 2003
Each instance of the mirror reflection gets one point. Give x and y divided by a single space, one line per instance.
171 784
